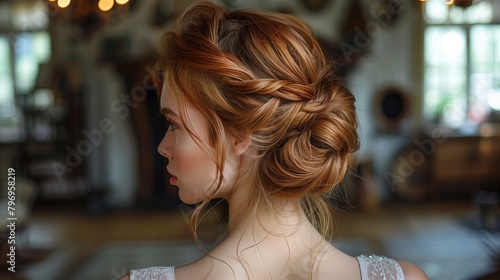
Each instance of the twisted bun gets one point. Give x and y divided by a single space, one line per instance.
263 74
313 154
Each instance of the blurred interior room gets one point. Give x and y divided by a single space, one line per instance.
79 128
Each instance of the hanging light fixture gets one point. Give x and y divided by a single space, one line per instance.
90 15
63 3
459 3
104 5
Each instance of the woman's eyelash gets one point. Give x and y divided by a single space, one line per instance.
170 125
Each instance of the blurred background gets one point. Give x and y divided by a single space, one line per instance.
79 128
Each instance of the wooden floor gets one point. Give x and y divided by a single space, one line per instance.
439 237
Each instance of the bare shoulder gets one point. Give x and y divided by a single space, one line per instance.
209 268
125 277
412 272
338 265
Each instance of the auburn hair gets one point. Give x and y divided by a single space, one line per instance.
263 75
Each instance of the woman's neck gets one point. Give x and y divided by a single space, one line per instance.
266 217
271 237
251 207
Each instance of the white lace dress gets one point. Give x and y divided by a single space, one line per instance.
373 267
153 273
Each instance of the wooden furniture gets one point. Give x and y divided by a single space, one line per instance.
431 167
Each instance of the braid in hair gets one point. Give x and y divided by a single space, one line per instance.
264 75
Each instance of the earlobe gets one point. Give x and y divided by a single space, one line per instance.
241 145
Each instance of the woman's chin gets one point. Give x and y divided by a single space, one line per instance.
189 199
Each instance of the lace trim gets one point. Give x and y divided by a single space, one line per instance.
374 267
153 273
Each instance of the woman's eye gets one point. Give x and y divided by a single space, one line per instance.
171 126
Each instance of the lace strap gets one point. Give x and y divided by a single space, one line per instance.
374 267
153 273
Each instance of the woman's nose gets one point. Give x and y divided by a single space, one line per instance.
165 146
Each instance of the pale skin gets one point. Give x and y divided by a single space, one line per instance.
287 243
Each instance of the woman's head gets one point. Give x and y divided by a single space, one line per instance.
190 166
262 76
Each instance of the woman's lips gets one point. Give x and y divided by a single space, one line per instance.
173 179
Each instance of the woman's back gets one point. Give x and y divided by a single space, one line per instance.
370 267
332 266
307 256
304 254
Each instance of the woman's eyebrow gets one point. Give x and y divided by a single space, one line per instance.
168 111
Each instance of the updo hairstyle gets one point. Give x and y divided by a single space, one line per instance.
262 75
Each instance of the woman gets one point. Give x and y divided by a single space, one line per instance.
256 116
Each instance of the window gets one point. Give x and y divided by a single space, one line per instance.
485 69
6 84
461 64
24 45
31 50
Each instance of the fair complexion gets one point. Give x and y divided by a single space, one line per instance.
190 168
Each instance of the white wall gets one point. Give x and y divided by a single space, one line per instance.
391 61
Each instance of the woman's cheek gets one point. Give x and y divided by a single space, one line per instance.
193 164
187 153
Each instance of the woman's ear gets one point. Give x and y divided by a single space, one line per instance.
241 144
